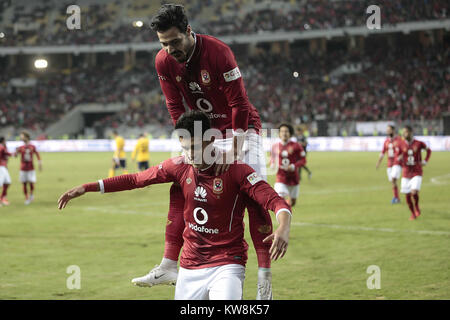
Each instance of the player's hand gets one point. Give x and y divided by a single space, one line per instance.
424 163
291 167
69 195
280 240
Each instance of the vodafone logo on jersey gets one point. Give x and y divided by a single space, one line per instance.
200 194
201 217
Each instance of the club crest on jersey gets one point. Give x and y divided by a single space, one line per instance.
217 185
178 78
188 180
195 87
206 79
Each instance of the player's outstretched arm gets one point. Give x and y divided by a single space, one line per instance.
69 195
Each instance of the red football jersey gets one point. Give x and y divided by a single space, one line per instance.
390 147
26 156
210 82
4 155
214 207
283 155
411 157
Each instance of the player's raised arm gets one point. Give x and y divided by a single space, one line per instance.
260 191
163 173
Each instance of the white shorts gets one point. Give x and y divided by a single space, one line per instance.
27 176
411 184
5 178
284 190
253 148
216 283
394 172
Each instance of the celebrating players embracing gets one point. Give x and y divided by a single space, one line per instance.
214 255
201 72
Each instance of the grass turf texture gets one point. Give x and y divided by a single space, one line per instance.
342 224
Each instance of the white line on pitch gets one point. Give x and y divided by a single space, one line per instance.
359 228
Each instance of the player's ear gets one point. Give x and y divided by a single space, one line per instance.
188 30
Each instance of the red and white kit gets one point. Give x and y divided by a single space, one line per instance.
288 158
5 178
27 172
410 154
390 147
213 214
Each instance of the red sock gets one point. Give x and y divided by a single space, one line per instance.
409 202
5 188
416 201
395 190
25 192
31 188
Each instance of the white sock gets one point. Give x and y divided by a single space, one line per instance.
264 273
169 264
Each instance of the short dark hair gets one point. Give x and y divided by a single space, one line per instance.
188 119
391 126
168 16
287 125
26 134
2 139
409 128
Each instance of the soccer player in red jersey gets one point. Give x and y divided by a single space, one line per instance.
201 72
394 169
27 172
5 179
410 153
214 255
288 156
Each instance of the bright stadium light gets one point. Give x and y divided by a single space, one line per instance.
40 63
2 35
138 24
295 74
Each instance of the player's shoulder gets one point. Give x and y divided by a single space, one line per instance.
175 163
215 47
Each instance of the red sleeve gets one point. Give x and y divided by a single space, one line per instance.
174 100
230 79
273 154
164 172
36 153
258 189
424 146
383 151
301 157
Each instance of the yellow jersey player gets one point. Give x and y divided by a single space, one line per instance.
141 153
119 159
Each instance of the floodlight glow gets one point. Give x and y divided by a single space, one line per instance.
40 63
138 24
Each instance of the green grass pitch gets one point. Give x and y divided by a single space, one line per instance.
343 223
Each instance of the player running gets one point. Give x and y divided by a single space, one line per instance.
410 154
141 153
5 178
201 72
27 174
394 169
289 157
119 160
214 255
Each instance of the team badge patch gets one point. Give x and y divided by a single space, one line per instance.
253 178
232 75
188 180
178 78
217 185
205 76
